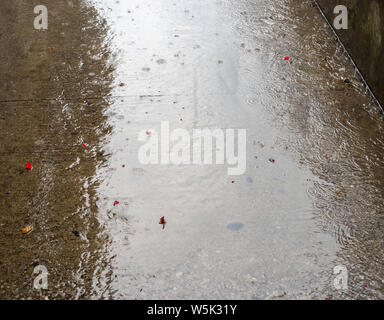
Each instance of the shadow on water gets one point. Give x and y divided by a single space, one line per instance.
55 89
363 38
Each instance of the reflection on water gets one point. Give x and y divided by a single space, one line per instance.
54 93
74 98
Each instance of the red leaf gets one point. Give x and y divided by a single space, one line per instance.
162 220
28 166
116 203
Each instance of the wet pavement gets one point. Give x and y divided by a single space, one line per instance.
75 97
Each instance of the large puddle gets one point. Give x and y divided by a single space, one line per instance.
311 196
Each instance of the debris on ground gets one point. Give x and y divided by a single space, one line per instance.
27 229
271 160
163 222
28 166
116 203
287 58
79 235
276 295
76 233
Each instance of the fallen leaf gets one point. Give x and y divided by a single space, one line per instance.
162 221
27 229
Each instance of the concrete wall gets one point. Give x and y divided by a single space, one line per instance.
364 38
